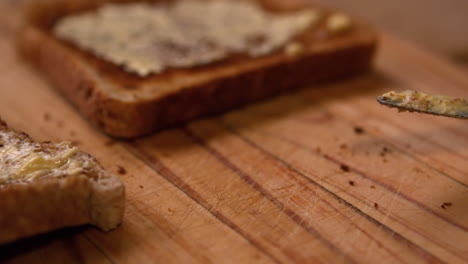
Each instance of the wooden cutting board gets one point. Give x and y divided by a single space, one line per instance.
324 175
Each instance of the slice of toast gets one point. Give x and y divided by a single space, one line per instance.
126 105
46 186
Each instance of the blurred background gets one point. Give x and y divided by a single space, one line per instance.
438 25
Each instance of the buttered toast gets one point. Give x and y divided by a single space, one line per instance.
46 186
135 67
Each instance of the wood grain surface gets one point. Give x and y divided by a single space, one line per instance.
324 175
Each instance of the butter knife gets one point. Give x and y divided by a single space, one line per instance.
414 101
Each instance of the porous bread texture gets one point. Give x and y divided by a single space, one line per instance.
46 203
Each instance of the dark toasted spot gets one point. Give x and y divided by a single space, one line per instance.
100 124
129 86
88 93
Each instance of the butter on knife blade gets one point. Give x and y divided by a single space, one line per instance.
414 101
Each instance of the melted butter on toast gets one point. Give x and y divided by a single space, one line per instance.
22 159
146 38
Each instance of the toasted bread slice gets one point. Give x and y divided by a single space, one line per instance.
127 105
46 186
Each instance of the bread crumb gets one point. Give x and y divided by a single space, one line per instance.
344 168
376 205
384 151
372 187
351 183
121 170
445 205
359 130
46 116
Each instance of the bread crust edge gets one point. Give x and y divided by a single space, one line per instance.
35 207
30 207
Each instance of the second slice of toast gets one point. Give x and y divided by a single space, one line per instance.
46 186
126 105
